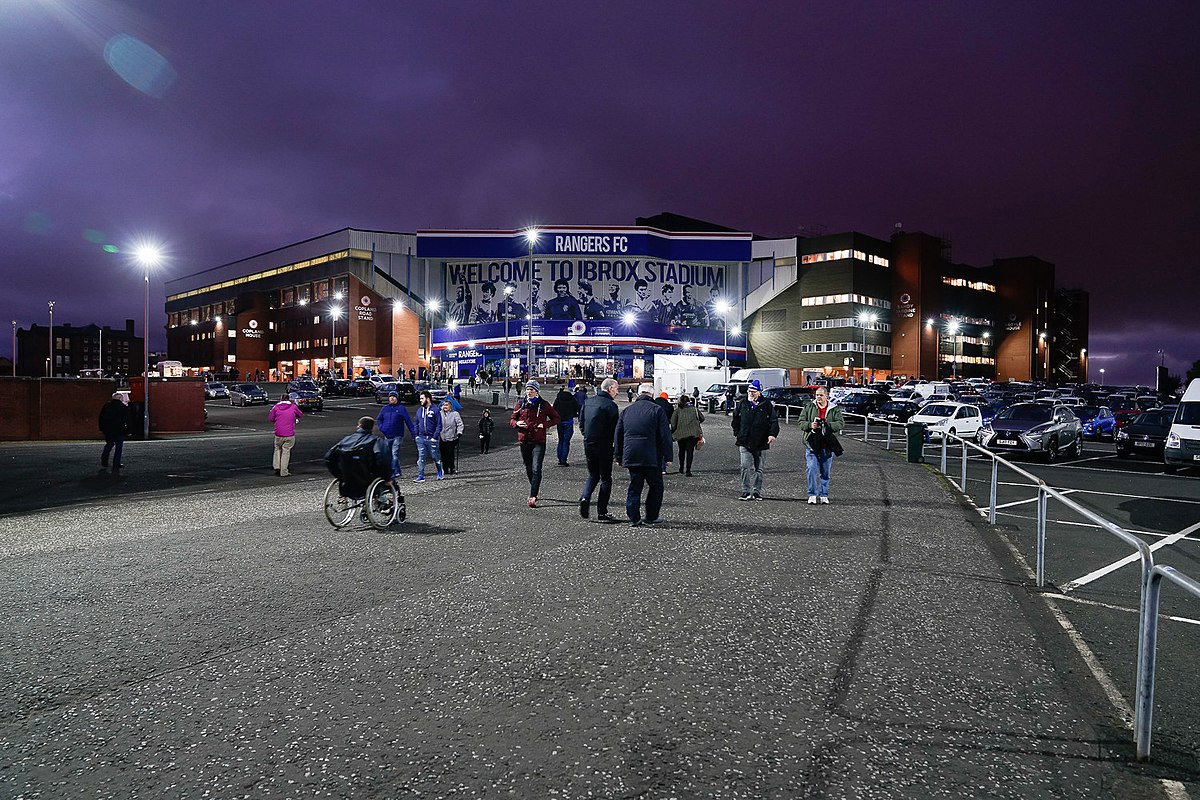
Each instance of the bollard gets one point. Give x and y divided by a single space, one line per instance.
916 442
495 398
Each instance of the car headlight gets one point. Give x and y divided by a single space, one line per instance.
1173 440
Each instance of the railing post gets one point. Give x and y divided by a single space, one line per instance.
1143 710
866 428
1041 535
943 454
995 483
963 488
888 445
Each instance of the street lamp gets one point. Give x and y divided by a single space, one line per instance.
149 256
865 319
1083 365
723 310
1101 376
531 237
508 292
50 344
14 360
334 313
952 329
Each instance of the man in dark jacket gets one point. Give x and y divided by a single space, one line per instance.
392 420
599 427
642 445
377 465
114 424
567 407
664 402
755 424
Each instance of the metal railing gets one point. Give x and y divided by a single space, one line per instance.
1149 582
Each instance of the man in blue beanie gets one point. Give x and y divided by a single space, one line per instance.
392 420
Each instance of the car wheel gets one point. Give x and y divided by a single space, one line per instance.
1052 451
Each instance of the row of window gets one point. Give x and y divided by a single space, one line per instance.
837 255
844 322
961 359
832 299
978 286
846 347
984 321
306 344
270 272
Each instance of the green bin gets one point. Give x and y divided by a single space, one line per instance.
916 442
495 398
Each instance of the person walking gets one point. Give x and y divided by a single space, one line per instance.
531 418
581 396
486 426
284 416
642 444
427 434
819 420
567 408
685 429
598 426
391 422
730 398
663 401
452 431
114 424
756 426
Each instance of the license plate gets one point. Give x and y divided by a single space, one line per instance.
1007 442
1195 458
1143 444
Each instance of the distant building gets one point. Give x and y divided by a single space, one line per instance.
115 351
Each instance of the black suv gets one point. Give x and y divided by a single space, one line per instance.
795 396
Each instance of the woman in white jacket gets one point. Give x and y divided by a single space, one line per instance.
452 429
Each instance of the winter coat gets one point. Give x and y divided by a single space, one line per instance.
566 405
486 425
392 421
382 459
752 424
834 423
599 425
428 422
643 437
452 426
284 415
581 397
685 423
538 416
114 418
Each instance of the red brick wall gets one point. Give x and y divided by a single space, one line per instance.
65 408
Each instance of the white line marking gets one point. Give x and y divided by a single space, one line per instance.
1031 499
1136 531
1084 602
1071 586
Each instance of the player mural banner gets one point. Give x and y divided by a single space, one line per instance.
665 292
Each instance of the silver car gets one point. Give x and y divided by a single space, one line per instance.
1035 429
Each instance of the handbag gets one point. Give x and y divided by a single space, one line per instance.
700 442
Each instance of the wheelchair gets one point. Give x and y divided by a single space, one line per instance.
358 494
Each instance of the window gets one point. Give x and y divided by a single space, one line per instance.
837 255
833 299
978 286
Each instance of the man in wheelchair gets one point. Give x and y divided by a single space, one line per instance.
358 459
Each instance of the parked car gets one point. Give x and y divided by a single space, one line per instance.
1183 440
863 403
956 419
380 378
1146 435
1146 402
1034 429
360 387
337 387
1098 421
307 400
303 385
246 394
896 410
213 390
793 396
406 393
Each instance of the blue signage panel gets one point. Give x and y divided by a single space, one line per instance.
469 341
576 241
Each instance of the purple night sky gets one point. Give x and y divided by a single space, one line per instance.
1065 130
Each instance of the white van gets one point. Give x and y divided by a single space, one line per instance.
1183 441
770 378
170 369
929 388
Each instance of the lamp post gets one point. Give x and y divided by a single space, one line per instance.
14 352
723 310
865 319
508 292
148 256
50 344
1101 376
1083 365
952 329
531 237
334 313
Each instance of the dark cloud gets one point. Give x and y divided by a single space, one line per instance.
1064 130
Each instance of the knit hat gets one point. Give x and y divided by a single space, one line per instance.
755 385
535 386
394 394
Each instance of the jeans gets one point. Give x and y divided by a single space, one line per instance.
393 443
752 462
599 464
533 455
818 466
283 453
566 429
111 442
427 450
654 497
687 449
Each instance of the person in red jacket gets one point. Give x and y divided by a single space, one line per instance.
532 417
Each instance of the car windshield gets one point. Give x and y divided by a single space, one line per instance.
1086 412
716 387
938 410
1152 418
1188 414
1027 412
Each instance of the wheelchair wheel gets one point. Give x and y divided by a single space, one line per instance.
383 504
338 510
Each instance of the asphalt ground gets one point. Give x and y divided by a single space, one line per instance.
218 638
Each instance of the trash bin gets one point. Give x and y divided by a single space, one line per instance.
916 442
495 398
